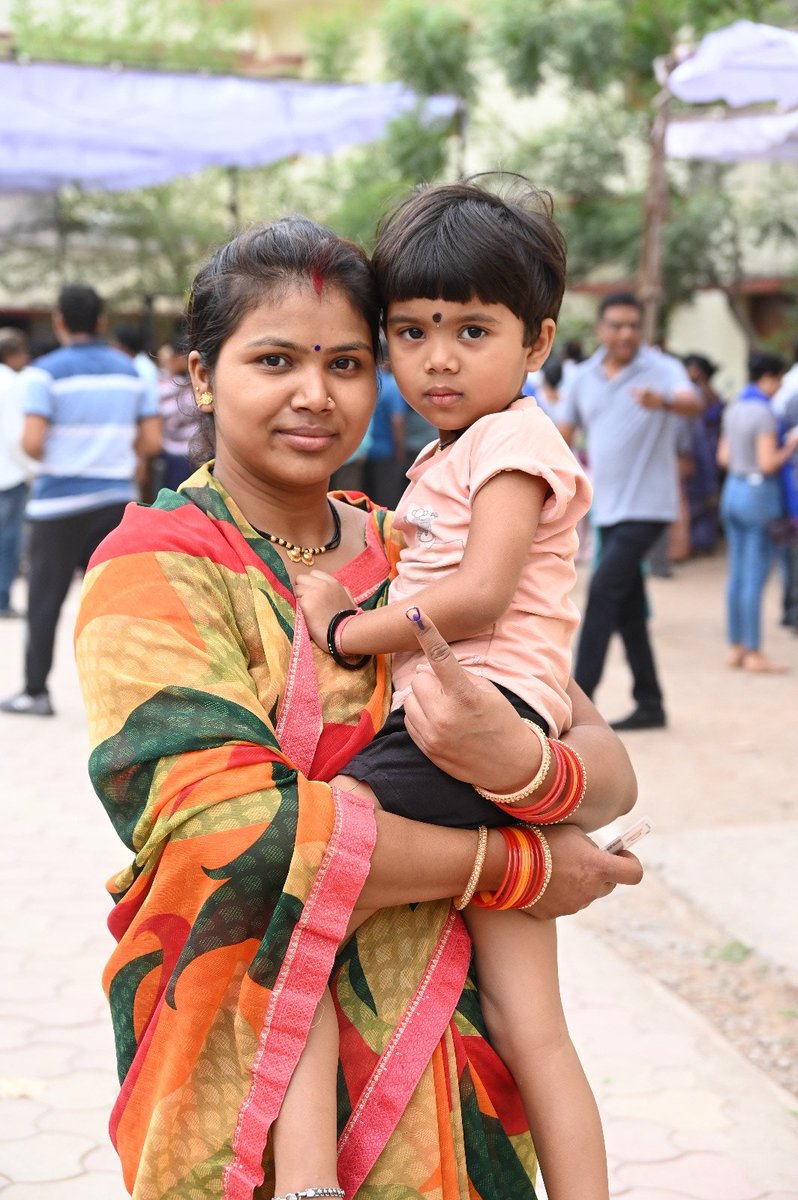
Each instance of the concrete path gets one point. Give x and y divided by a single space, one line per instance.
686 1116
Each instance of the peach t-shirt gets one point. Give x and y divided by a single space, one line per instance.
528 650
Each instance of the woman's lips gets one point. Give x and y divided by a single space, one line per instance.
308 438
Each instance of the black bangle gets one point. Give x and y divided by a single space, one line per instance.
347 664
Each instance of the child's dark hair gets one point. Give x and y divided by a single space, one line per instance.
459 241
264 262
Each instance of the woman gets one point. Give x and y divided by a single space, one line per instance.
214 724
751 499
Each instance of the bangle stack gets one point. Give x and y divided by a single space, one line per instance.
528 870
333 647
561 799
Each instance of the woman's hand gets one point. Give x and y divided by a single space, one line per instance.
320 598
458 720
465 725
581 872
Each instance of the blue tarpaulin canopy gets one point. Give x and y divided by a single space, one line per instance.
112 129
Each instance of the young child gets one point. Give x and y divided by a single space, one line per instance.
471 285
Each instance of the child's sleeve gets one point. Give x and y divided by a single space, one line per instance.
527 440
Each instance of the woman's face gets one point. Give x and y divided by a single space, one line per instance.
293 389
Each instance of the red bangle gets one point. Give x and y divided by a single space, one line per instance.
340 628
565 794
527 873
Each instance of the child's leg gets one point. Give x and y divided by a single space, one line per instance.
306 1131
519 988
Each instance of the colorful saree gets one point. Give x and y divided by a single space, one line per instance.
214 722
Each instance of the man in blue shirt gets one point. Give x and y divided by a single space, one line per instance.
88 419
627 397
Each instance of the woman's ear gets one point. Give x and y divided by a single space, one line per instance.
540 349
200 375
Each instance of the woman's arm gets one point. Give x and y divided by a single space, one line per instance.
612 785
770 457
465 725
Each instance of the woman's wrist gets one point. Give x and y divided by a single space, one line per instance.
495 865
512 773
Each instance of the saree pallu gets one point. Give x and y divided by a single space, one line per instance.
214 723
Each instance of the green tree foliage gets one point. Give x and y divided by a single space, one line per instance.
334 44
429 47
594 161
146 33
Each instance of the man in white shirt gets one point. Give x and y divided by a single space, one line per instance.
15 467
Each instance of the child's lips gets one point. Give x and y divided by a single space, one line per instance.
443 398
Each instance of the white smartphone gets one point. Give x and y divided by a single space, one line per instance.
629 836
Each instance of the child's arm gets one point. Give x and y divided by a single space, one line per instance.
504 518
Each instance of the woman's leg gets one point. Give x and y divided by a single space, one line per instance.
734 535
306 1131
516 959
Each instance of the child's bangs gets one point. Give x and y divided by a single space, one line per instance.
437 269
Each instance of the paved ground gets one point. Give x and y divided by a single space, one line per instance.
687 1116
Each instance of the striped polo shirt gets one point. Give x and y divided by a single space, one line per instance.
94 399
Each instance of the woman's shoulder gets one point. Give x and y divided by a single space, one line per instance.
173 524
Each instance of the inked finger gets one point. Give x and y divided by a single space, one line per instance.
437 650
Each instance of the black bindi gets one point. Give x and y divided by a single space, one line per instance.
437 318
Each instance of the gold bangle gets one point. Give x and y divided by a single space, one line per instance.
476 870
547 859
534 784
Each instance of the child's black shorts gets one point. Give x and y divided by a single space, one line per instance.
406 783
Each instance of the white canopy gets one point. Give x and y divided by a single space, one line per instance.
771 138
746 63
114 129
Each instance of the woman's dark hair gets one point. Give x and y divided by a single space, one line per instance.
459 241
263 262
762 362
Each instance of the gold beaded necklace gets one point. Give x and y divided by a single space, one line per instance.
306 554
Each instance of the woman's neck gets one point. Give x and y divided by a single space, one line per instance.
301 516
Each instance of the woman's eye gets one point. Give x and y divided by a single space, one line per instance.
274 360
345 364
472 333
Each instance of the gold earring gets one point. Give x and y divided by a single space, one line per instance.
205 400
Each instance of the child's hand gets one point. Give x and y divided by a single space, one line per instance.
321 597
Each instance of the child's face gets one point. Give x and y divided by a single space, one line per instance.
455 363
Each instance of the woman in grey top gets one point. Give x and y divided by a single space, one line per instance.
749 449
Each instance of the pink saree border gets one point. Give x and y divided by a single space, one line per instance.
303 976
402 1063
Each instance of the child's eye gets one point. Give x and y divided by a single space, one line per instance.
412 333
473 333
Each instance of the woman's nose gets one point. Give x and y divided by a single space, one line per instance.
312 393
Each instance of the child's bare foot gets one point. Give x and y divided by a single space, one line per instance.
756 662
735 656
